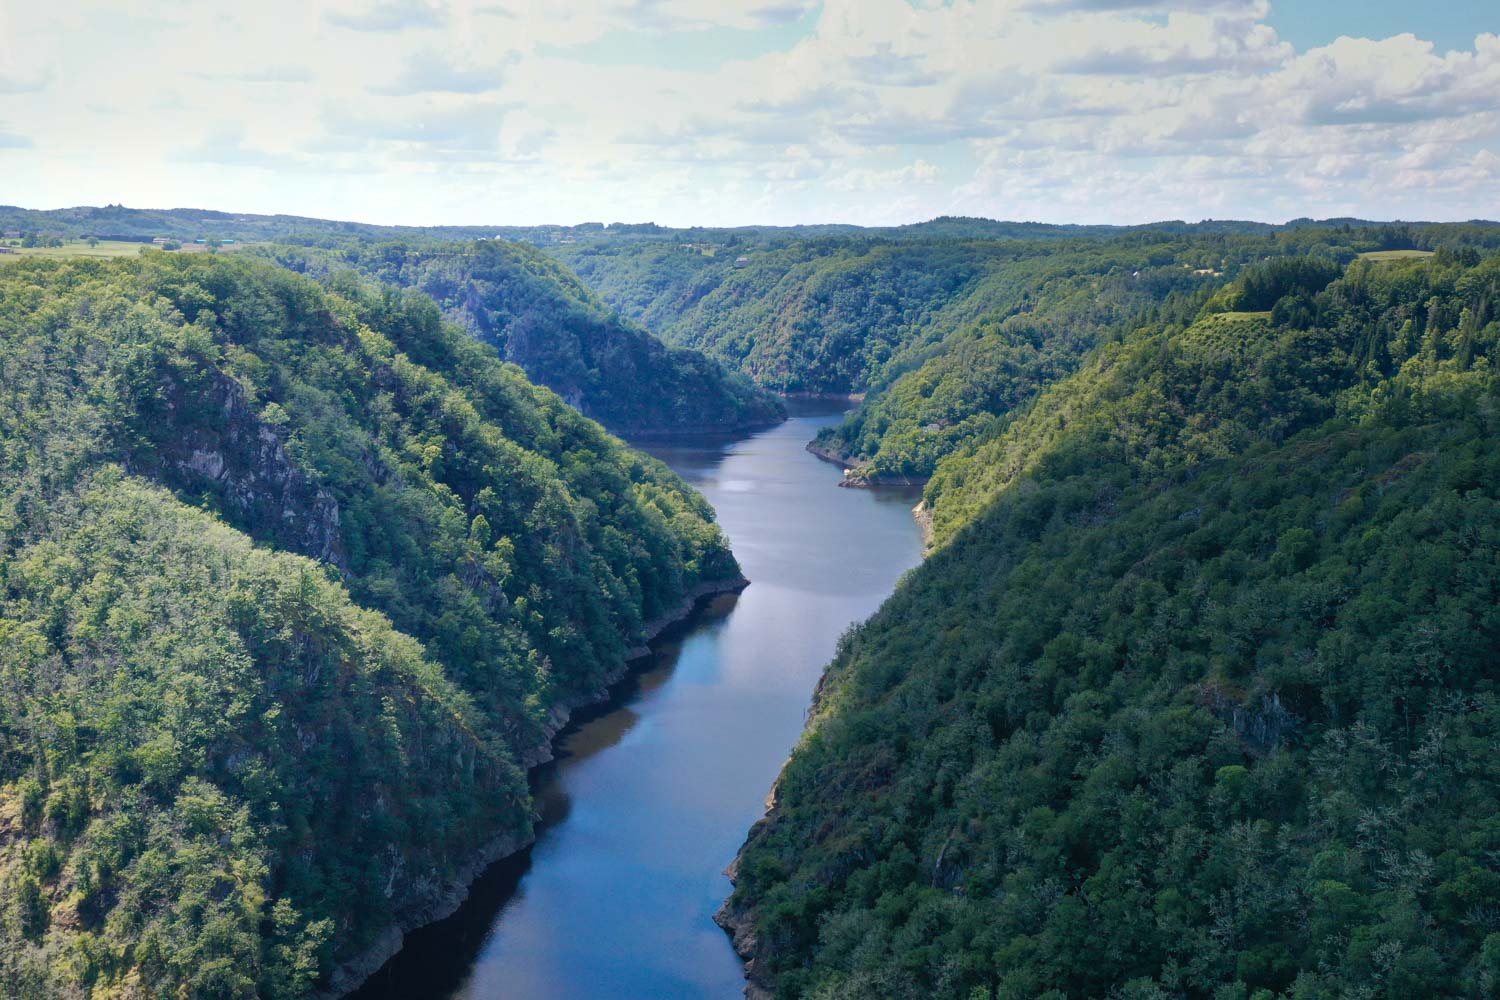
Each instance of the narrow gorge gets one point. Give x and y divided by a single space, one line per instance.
652 791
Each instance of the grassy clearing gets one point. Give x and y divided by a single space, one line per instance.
78 248
1395 254
1244 315
105 248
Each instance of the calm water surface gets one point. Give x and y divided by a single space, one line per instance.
652 793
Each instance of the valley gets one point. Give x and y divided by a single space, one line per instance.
310 551
651 795
765 499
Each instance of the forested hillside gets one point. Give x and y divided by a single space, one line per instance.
1196 696
1038 317
121 222
818 316
540 316
946 326
293 579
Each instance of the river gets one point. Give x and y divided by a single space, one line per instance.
652 793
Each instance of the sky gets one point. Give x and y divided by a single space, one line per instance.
730 112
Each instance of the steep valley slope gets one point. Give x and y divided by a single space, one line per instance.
538 315
945 329
1196 695
295 582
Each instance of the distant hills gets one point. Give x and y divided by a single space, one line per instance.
119 222
945 336
536 313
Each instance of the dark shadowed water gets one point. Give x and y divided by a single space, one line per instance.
652 793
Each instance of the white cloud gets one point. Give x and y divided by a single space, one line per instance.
693 15
861 179
388 15
23 85
272 73
226 147
470 110
1393 82
432 71
472 125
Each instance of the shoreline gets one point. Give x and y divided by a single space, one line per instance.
739 925
853 481
350 975
857 482
668 435
829 455
831 397
739 922
923 514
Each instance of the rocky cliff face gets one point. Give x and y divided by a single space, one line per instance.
211 440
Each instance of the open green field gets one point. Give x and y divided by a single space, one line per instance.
1244 315
1395 254
78 248
105 248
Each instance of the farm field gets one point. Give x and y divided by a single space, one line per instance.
105 248
78 248
1395 254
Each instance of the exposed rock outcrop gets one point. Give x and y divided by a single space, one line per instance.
419 912
212 439
739 924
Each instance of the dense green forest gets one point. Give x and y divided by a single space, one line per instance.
292 578
820 316
946 325
121 222
1196 696
949 326
1038 317
539 316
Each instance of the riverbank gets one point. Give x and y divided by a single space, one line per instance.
826 397
923 514
697 433
651 793
856 480
739 924
739 921
352 974
853 478
830 456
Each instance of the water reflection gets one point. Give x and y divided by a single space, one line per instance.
652 792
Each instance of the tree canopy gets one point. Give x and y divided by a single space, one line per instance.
1196 696
291 580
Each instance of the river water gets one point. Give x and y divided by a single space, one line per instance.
653 792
